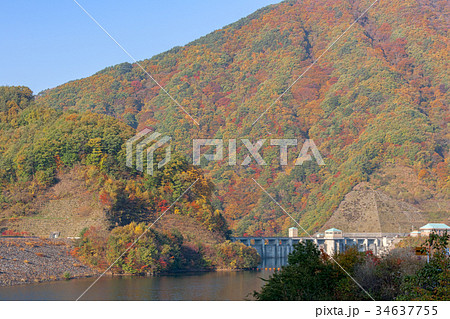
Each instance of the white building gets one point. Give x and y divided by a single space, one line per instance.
415 233
334 241
437 228
333 233
293 232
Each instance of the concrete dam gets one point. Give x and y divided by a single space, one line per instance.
333 241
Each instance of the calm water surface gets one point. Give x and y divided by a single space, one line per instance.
197 286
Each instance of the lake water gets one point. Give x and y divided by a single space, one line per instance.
222 285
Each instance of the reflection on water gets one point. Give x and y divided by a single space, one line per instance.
197 286
272 263
204 286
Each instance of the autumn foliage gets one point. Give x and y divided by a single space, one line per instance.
378 97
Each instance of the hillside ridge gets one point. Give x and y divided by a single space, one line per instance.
378 97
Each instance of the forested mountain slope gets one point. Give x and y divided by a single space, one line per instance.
65 172
377 101
68 167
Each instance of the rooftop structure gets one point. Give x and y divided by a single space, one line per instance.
293 232
437 228
333 233
415 233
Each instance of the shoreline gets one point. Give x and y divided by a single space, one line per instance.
30 260
33 260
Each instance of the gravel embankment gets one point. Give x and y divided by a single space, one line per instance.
31 260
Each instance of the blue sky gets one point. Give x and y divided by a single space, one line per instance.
49 42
